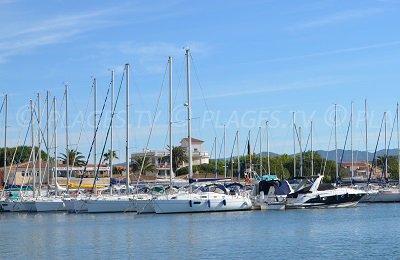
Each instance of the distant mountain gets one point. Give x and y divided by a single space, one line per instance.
358 155
271 154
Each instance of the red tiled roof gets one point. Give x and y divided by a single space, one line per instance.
354 164
194 140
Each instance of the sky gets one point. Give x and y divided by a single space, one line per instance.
251 62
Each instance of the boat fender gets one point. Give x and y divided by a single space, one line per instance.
190 203
209 203
224 202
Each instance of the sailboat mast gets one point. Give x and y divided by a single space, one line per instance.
127 129
111 153
55 146
366 138
189 114
351 142
238 154
94 122
259 129
215 158
171 169
301 154
39 142
336 150
33 150
249 153
5 134
312 149
47 138
294 145
398 141
386 149
66 135
224 151
268 165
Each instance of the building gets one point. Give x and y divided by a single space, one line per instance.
23 174
157 158
362 170
161 158
199 155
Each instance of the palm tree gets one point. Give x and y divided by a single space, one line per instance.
137 162
178 157
109 155
75 158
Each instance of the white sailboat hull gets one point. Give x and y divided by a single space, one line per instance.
269 202
383 195
104 205
75 205
49 204
144 203
19 206
207 202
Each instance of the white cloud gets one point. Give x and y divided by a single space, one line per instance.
267 89
333 52
335 18
18 39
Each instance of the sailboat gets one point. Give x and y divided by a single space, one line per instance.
310 192
51 203
144 202
190 200
386 193
118 203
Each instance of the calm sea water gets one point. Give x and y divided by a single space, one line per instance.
365 232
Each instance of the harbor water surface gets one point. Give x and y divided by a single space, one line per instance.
369 231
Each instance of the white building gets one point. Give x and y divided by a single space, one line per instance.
161 158
199 155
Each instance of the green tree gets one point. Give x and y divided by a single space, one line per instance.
138 161
75 158
109 155
22 152
178 157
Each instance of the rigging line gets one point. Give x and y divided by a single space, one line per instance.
202 93
176 93
391 133
82 126
151 129
22 151
220 148
345 143
11 164
212 149
97 128
325 160
256 141
112 116
40 129
246 147
23 148
105 142
26 170
376 147
231 159
2 104
83 129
